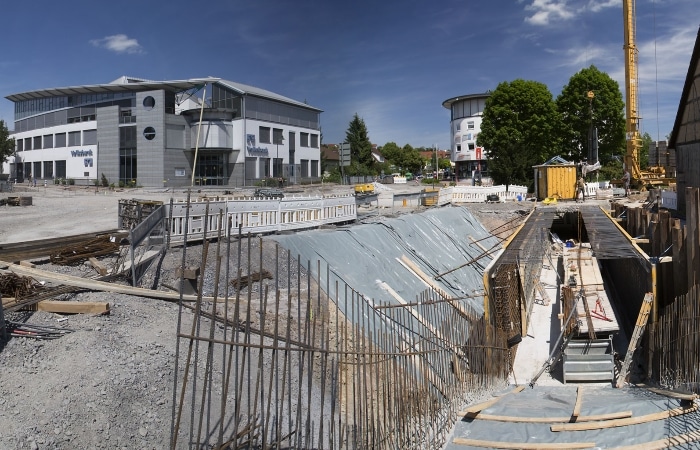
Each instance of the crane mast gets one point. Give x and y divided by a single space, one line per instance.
634 140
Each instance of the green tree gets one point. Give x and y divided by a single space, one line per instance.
519 130
406 158
360 145
603 110
7 144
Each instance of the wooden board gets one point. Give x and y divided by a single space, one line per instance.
623 422
577 405
94 285
522 445
70 307
475 409
562 419
668 442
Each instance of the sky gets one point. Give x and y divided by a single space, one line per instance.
393 63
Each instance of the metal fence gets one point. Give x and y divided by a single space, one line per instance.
675 343
275 363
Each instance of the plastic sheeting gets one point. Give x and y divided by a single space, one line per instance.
559 402
368 257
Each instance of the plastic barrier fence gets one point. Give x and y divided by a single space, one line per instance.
258 215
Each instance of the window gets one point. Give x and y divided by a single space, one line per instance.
20 145
459 126
304 168
314 167
149 102
264 135
37 142
304 139
459 148
27 143
179 171
73 138
471 146
277 136
314 141
470 125
90 137
149 133
60 140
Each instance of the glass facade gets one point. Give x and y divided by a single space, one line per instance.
127 155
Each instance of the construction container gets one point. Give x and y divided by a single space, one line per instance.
555 181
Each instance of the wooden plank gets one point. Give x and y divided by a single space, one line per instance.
680 271
99 267
562 419
669 442
642 319
584 426
430 282
577 405
668 393
522 445
101 285
692 250
476 409
71 307
27 264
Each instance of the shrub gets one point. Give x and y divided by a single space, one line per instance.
71 181
104 181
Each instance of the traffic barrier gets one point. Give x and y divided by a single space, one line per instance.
258 215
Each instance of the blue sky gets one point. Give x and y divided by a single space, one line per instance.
391 62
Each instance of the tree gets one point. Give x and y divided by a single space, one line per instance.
604 111
519 130
406 158
644 151
360 145
7 144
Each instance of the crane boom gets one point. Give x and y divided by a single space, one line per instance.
634 140
655 175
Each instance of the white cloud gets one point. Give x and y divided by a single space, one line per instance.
545 11
119 43
599 5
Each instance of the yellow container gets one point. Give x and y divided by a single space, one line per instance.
556 181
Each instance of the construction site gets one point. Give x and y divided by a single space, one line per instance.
171 323
367 317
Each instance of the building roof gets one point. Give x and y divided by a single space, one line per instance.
126 83
121 84
689 83
448 103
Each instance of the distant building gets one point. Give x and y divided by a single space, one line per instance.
331 156
143 132
465 124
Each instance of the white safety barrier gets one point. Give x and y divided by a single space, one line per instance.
479 194
399 180
258 215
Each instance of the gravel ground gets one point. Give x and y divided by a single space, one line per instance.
108 384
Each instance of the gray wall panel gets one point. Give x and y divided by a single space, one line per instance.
108 143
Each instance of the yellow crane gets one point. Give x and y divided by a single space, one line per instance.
655 175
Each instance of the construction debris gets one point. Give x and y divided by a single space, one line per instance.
16 286
17 329
74 254
245 280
